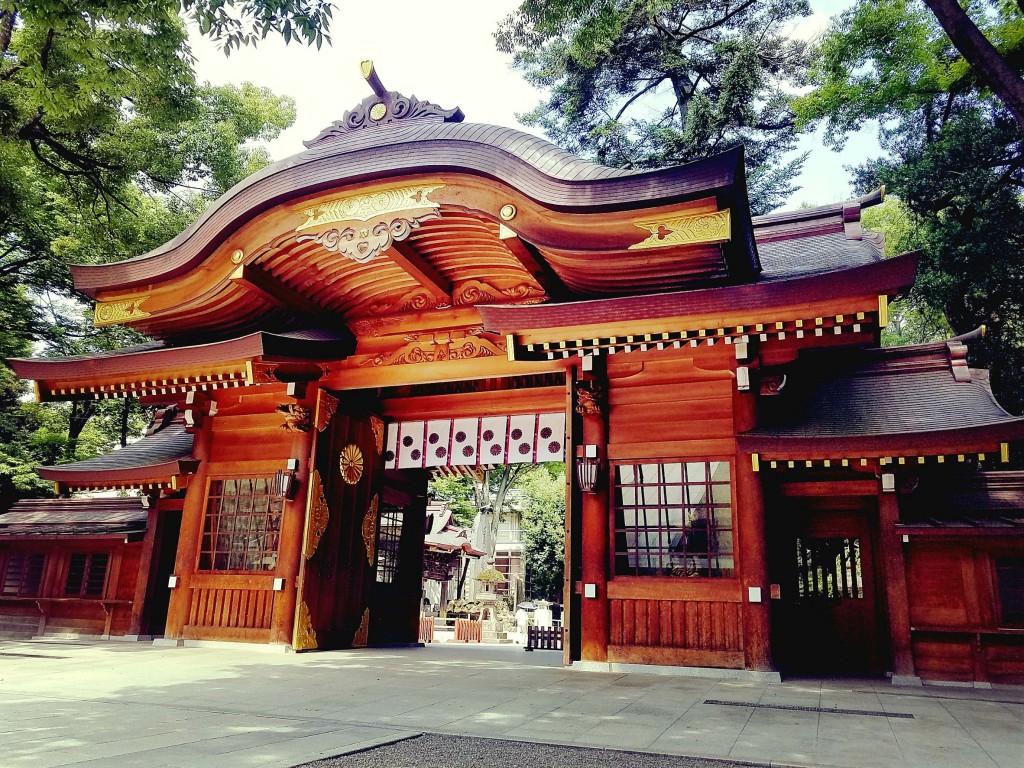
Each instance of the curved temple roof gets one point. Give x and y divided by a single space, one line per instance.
882 402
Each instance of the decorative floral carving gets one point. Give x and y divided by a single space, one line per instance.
113 312
326 406
362 244
589 398
318 515
370 529
686 230
369 206
297 418
440 348
377 425
476 291
262 373
305 635
360 637
351 463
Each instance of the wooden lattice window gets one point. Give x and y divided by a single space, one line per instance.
829 568
241 530
87 574
22 574
1010 585
389 537
674 519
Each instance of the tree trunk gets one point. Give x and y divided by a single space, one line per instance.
126 407
7 19
81 412
983 57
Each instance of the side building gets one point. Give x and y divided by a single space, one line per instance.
755 485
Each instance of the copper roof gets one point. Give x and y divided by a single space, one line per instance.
75 517
164 453
880 400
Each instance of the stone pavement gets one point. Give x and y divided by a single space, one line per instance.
108 703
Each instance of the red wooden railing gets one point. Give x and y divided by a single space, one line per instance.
468 631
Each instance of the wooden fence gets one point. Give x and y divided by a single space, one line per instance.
468 631
544 638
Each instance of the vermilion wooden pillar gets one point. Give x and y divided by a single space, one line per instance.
596 533
188 539
896 589
752 552
290 545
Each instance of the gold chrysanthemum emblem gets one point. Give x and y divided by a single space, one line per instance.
351 462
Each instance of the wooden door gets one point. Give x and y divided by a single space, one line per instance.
398 575
822 557
343 507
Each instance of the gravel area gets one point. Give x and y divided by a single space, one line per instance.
432 750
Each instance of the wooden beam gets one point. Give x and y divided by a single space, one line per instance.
531 260
408 258
268 287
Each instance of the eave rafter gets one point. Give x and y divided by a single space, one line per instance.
531 260
263 284
405 255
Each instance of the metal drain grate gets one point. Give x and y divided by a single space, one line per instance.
826 710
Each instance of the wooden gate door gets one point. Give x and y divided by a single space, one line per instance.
339 545
398 576
826 618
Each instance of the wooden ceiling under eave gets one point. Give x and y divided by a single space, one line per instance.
428 243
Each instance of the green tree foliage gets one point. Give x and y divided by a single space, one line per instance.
953 155
649 83
109 147
544 530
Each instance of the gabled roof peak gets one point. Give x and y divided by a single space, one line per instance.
383 107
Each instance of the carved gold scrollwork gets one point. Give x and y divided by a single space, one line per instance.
318 513
377 425
351 463
326 406
360 637
305 635
363 243
297 418
370 528
113 312
368 206
686 230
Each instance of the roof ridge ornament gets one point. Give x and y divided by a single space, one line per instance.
381 108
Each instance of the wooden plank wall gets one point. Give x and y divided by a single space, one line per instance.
674 405
244 439
954 617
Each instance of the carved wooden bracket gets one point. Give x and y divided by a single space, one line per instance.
590 398
363 243
326 406
370 529
297 418
305 635
377 425
319 515
360 638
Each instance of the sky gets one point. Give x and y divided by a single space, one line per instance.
443 51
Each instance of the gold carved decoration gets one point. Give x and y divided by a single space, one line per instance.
305 635
326 406
368 206
318 515
686 230
360 637
363 244
439 348
378 110
370 529
413 301
237 255
377 425
589 398
351 463
297 418
113 312
475 291
507 212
